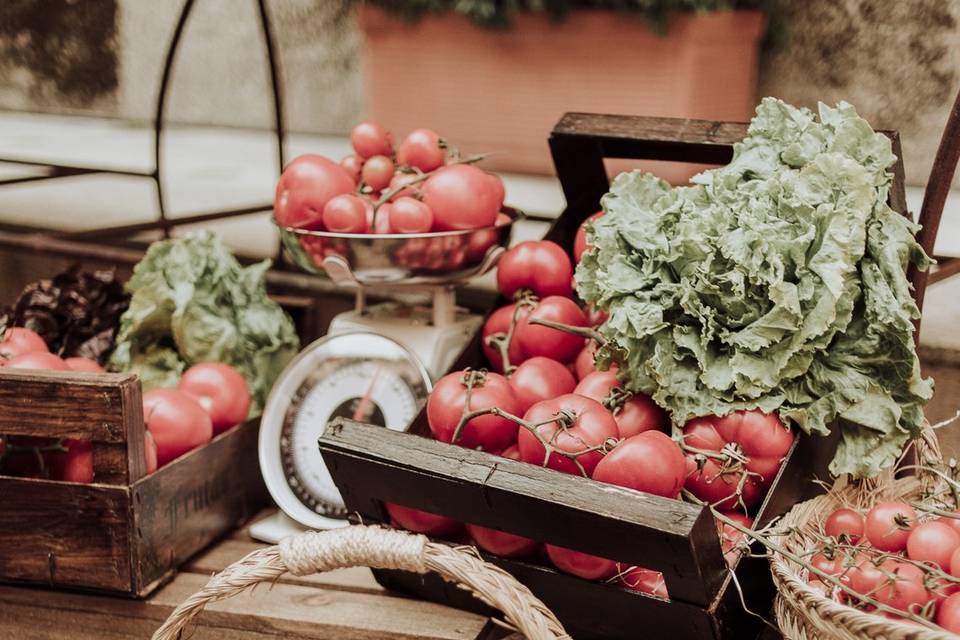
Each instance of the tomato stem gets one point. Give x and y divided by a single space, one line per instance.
585 332
386 195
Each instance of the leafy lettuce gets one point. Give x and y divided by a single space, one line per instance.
777 281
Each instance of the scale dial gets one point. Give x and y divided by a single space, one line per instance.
358 375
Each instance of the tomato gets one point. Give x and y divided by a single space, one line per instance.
634 413
304 189
37 360
84 364
421 149
595 316
499 323
540 379
377 172
422 521
495 183
761 438
177 421
642 580
888 525
948 614
902 587
78 466
370 139
352 165
501 543
953 522
347 213
581 564
445 408
580 245
540 340
150 451
585 363
17 341
379 223
511 452
833 566
540 266
221 390
410 216
461 196
732 540
650 462
933 542
572 424
846 523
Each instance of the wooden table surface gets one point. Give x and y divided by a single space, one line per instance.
346 604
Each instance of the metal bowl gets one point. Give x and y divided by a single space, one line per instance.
410 259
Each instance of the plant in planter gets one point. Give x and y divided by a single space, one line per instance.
437 61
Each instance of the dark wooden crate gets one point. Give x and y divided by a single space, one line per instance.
126 533
371 465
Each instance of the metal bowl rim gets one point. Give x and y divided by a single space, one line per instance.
514 214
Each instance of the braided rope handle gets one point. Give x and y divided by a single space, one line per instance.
377 548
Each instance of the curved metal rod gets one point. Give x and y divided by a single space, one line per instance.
270 45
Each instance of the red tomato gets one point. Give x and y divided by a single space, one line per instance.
642 580
581 564
902 587
732 539
580 245
150 451
933 542
400 179
540 266
410 216
511 452
352 165
178 423
760 438
584 364
834 566
499 193
37 360
345 213
501 543
370 139
888 525
540 379
578 424
17 341
422 521
84 364
377 172
844 522
634 413
421 149
461 196
445 407
948 614
499 323
595 316
380 223
650 462
221 390
540 340
304 189
78 465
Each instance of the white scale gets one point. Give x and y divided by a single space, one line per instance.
376 364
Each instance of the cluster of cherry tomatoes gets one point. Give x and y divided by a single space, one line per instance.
894 558
209 399
415 188
544 402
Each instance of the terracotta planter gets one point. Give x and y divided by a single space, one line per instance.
503 90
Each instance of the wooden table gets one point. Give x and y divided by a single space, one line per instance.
345 604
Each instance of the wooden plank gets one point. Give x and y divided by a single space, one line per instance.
370 464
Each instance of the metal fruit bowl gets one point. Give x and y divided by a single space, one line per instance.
398 259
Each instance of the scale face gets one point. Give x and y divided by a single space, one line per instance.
360 375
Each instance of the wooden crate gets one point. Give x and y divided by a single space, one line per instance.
371 465
127 533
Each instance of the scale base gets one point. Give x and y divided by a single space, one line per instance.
276 527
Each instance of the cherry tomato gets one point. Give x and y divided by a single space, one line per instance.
902 587
84 364
380 223
221 390
888 525
410 216
642 580
304 189
421 149
948 614
177 421
650 462
581 564
37 360
422 521
511 452
732 539
499 323
345 213
933 542
844 522
17 341
352 165
595 316
540 340
501 543
540 266
540 379
580 245
370 139
461 196
834 566
377 172
578 424
445 408
634 413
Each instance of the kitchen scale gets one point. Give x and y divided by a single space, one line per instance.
377 362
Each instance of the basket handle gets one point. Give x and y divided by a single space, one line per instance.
377 548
